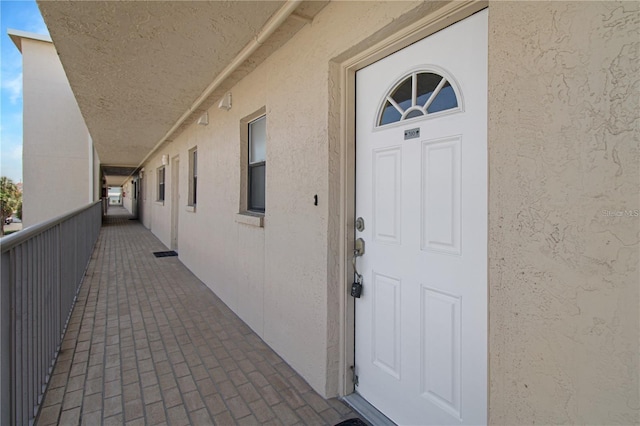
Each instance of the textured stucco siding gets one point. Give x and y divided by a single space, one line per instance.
563 150
57 155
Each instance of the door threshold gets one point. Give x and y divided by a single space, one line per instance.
366 410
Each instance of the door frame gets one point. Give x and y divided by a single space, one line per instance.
345 74
175 201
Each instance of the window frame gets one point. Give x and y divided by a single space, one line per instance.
244 215
161 176
253 166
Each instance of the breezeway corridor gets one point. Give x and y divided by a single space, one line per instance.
149 343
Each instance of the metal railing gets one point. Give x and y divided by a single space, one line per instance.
42 268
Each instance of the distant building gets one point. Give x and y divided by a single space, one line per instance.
115 196
60 166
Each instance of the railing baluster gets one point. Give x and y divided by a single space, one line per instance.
41 315
18 369
32 319
33 330
39 331
57 299
26 326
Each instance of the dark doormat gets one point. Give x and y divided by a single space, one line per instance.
164 253
352 422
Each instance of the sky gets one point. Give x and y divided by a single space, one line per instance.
24 16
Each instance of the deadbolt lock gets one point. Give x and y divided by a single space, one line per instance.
360 224
359 250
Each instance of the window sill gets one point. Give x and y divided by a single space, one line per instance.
160 203
250 218
191 209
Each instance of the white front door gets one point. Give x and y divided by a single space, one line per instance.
421 189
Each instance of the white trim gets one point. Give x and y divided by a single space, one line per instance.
249 218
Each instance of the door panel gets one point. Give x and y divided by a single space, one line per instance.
386 324
440 351
421 188
387 170
441 195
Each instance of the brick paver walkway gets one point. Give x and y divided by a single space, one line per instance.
149 343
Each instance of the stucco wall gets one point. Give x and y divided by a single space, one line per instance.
563 150
57 154
563 275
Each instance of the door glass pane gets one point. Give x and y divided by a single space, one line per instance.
402 95
446 99
258 140
256 187
390 114
427 83
414 113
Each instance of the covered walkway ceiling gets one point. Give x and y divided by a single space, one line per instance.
143 70
117 175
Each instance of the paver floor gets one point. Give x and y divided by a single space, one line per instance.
149 343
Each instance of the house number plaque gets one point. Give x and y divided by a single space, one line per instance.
412 133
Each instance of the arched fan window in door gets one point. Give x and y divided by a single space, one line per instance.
418 94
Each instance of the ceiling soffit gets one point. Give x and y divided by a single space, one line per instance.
137 67
304 14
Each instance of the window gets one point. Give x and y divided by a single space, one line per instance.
161 173
252 162
417 95
257 164
193 176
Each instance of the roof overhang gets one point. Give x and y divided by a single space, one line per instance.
142 71
117 175
17 36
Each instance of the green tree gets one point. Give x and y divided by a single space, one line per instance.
10 197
